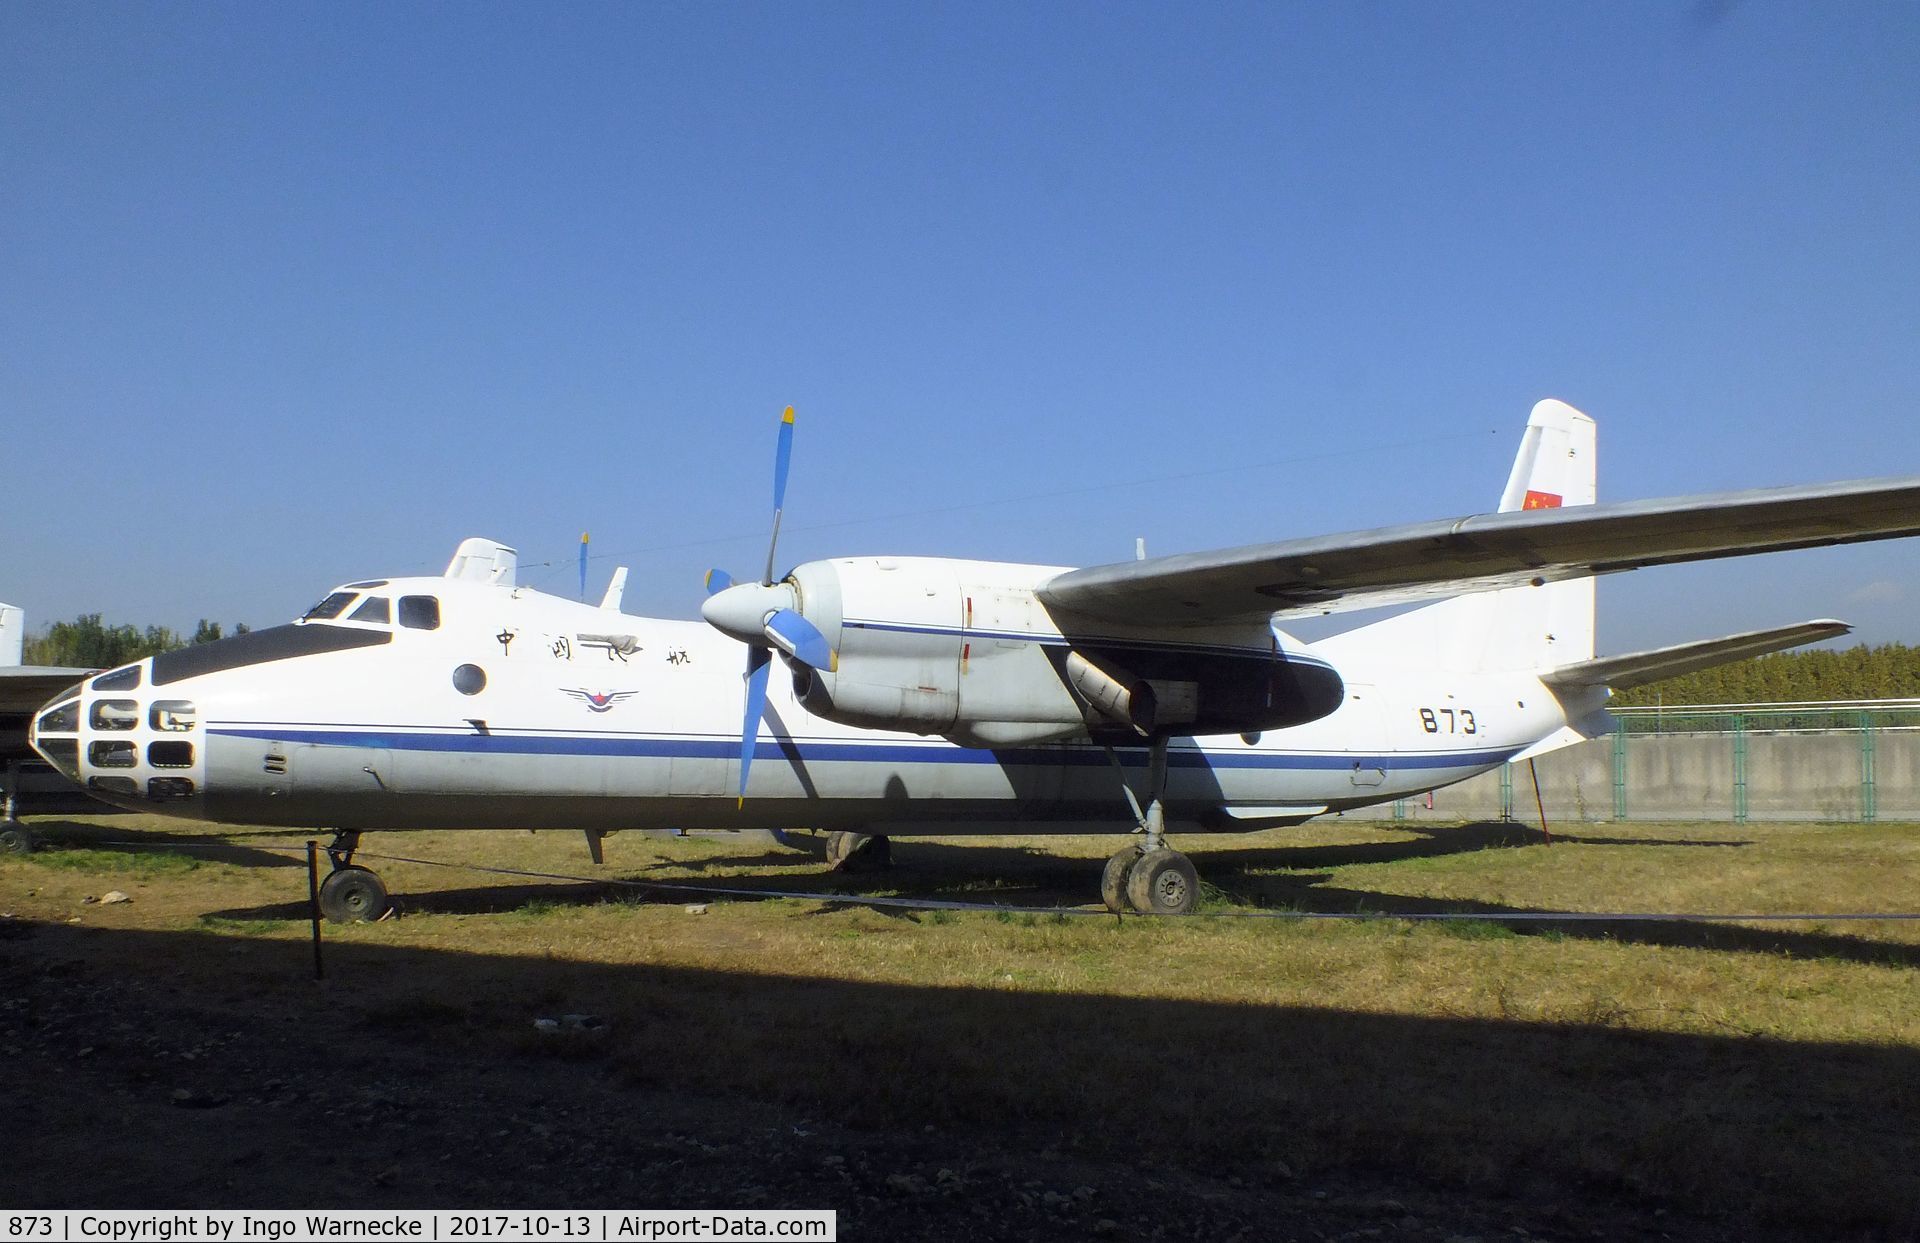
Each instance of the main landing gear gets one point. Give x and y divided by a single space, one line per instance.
858 852
350 894
1150 878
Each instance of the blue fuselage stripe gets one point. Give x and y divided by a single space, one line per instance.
851 752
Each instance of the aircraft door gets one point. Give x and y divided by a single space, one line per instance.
317 769
1363 731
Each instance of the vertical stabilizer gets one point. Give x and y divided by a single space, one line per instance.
13 633
1519 628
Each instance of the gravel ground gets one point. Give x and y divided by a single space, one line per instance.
132 1087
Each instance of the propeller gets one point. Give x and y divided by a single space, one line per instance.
764 617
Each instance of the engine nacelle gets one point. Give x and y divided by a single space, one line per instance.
965 649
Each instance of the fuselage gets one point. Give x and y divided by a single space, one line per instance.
450 703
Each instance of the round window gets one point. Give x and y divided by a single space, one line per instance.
469 679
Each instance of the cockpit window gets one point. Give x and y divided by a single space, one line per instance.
372 582
420 612
332 606
373 609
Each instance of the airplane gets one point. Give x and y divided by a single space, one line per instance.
937 696
23 777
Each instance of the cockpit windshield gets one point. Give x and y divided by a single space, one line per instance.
331 607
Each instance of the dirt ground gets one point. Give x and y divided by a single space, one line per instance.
167 1063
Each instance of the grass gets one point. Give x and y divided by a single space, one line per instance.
142 863
1758 1067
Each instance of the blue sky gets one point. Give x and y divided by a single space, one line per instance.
295 294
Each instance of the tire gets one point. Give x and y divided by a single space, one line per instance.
1113 880
1163 882
856 852
352 895
16 839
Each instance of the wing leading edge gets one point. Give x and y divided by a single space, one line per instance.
1483 552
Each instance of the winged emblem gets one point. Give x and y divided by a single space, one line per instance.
598 701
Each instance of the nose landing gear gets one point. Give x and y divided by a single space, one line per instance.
350 894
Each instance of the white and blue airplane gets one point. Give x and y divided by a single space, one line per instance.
935 696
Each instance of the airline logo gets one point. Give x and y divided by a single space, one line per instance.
1541 500
602 702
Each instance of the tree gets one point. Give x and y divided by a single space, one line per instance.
86 642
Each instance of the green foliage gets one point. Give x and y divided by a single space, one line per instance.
1890 671
88 643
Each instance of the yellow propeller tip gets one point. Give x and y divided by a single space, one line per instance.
788 416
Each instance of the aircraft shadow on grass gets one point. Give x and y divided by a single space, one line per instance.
1538 1111
114 839
1273 878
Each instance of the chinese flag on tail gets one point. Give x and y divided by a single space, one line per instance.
1540 500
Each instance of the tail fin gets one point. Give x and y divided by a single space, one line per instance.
13 633
1519 628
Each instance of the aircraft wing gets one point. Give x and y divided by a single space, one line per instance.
1421 561
24 688
1641 668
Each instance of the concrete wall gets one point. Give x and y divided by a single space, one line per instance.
1800 776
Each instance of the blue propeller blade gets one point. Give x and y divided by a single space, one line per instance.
759 662
718 581
782 458
800 639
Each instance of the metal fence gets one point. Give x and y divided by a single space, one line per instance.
1853 762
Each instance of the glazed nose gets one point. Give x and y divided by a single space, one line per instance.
123 741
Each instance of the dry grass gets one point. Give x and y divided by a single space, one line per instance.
1758 1068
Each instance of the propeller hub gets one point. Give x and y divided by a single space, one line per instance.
741 611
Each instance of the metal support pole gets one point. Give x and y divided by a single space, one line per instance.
1539 803
1869 796
1620 770
1506 791
1739 768
313 905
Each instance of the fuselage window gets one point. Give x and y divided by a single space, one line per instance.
175 716
118 753
170 754
114 714
332 606
127 679
374 609
420 612
64 719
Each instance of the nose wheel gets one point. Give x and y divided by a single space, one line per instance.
351 894
1150 878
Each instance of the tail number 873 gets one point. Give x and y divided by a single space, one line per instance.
1448 721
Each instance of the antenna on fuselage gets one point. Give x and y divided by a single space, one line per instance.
615 590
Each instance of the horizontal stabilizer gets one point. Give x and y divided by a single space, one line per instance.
1483 552
1641 668
25 687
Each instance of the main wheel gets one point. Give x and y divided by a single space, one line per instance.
1113 880
15 838
352 895
1163 882
857 852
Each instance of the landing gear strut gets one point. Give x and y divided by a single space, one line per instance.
857 852
1150 878
350 894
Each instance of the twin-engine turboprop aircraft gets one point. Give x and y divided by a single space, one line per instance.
933 696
